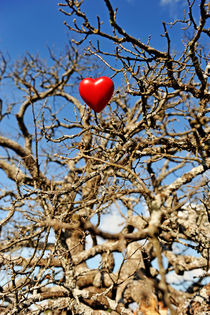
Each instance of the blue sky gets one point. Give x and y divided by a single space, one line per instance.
31 25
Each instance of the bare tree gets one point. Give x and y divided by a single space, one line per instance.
146 156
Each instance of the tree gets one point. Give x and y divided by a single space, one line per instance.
146 156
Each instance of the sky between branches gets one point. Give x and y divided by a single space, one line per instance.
32 25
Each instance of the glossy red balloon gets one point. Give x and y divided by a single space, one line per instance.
96 92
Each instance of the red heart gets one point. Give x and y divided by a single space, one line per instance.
96 92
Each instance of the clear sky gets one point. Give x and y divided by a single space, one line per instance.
31 25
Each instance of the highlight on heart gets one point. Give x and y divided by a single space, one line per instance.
96 92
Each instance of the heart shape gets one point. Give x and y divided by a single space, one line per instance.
96 92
